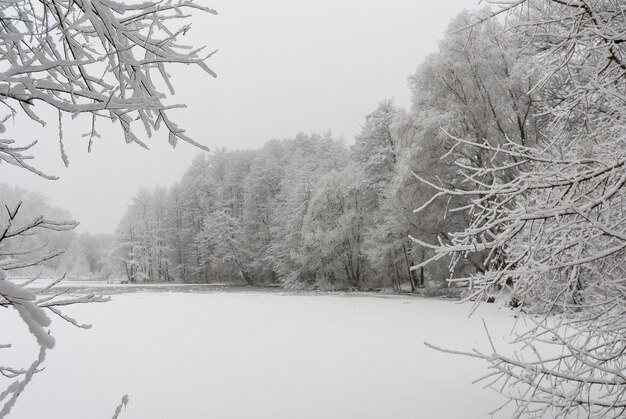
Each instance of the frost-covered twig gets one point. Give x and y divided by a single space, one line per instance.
15 389
31 303
99 57
122 404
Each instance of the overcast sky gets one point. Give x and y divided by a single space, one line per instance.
284 66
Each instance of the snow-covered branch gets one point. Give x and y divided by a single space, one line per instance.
99 57
549 218
32 304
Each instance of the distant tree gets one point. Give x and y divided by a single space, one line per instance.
45 241
142 238
332 229
311 157
387 243
375 149
96 248
380 150
86 255
288 255
225 242
73 261
262 190
124 254
200 195
176 233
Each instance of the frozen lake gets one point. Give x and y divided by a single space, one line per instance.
193 354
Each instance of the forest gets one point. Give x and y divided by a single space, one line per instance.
312 212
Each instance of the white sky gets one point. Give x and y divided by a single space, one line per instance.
284 66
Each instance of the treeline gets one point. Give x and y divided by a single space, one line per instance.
310 212
299 212
52 252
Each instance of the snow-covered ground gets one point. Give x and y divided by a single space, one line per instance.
260 355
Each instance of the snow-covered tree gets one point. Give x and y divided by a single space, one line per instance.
549 217
387 243
176 233
475 87
199 195
142 247
125 250
73 261
381 151
225 243
332 230
375 149
262 191
310 158
96 249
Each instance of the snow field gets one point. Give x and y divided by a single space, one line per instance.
230 355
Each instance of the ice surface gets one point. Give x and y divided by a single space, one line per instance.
261 355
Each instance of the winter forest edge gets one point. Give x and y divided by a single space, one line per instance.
504 180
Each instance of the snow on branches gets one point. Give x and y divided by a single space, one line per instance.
33 305
103 58
551 218
100 57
